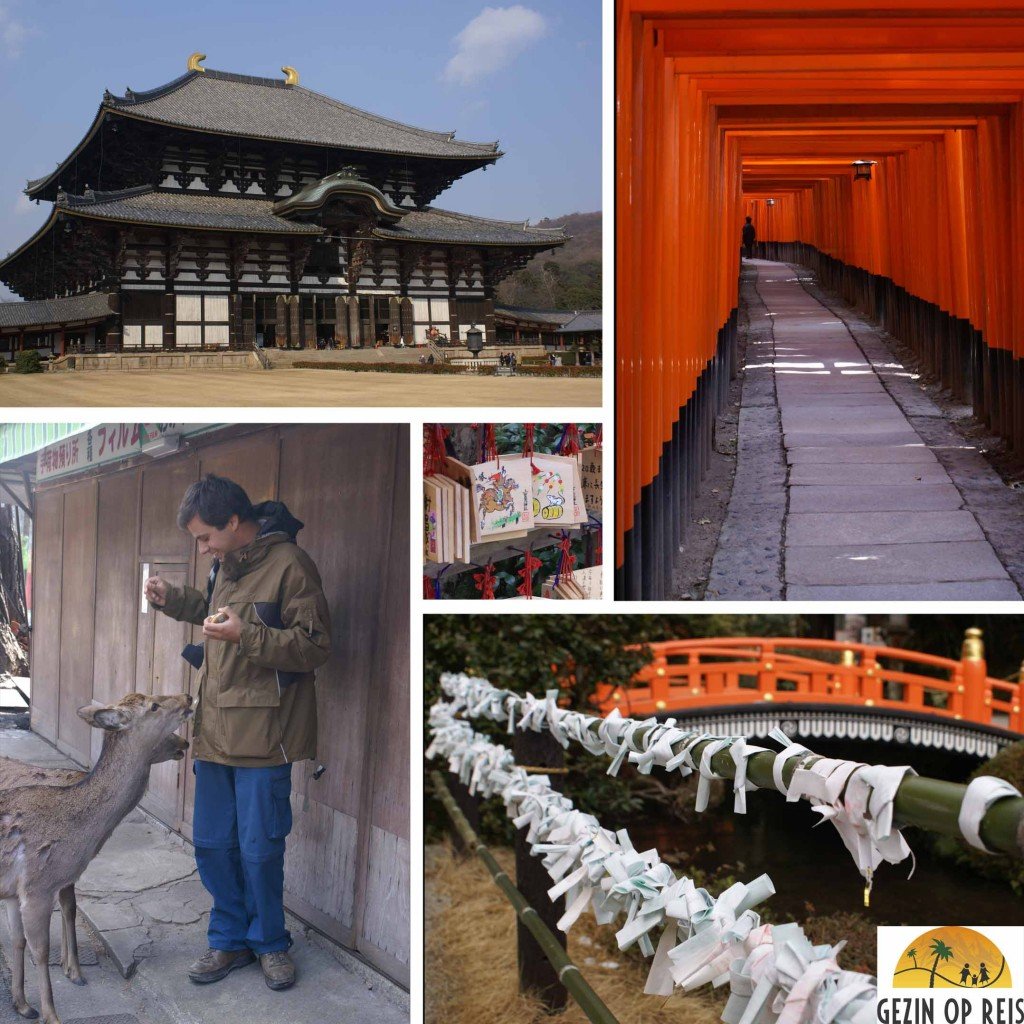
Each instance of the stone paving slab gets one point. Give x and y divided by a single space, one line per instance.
842 400
875 498
856 474
812 384
944 562
854 422
824 529
987 591
882 438
862 454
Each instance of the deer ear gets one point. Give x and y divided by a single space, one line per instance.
104 717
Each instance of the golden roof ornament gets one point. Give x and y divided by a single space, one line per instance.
195 62
973 647
291 76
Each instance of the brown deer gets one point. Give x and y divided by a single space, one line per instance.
49 834
14 775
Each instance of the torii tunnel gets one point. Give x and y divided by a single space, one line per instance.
759 108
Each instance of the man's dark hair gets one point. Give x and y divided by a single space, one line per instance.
215 499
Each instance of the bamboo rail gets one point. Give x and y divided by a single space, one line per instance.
568 973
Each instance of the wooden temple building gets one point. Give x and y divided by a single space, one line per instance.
555 329
223 211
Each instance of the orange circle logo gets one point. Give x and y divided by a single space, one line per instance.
952 957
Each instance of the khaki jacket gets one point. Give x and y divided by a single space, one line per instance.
257 698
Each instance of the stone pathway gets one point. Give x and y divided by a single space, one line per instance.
850 482
142 920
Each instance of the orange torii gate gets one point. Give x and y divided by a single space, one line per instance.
689 678
725 106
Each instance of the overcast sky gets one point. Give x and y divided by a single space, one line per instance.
526 74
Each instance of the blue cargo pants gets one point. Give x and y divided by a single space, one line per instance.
241 819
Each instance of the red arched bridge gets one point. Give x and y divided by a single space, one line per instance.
826 688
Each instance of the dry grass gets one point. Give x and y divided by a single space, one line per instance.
471 974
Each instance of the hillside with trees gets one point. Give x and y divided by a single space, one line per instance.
567 278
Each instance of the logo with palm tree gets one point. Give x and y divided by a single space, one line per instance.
952 957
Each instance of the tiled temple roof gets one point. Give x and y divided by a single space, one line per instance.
433 225
268 108
93 306
584 320
184 209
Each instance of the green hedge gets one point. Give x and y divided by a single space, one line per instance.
29 361
560 371
378 367
447 368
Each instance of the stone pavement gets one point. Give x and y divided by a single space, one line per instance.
142 920
851 483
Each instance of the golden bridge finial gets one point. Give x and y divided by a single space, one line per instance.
973 647
291 76
195 62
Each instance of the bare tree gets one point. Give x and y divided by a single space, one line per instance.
12 595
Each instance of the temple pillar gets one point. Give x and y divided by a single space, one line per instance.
354 327
490 332
113 337
309 327
167 316
341 335
294 322
281 322
394 319
60 342
453 318
235 338
405 316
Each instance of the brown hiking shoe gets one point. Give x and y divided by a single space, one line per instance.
215 964
278 970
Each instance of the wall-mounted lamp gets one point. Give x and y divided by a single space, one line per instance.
862 169
769 202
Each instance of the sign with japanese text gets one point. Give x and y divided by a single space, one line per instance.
106 443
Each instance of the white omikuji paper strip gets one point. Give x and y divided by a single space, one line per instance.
857 798
774 972
981 794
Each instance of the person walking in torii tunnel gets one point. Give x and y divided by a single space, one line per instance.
267 629
749 238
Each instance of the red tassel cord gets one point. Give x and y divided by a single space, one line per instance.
434 454
569 442
528 444
490 444
530 566
484 582
566 559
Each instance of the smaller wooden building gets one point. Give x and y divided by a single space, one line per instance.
582 331
55 327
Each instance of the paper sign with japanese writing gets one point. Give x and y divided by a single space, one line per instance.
590 473
106 443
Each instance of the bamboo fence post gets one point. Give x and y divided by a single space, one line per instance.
568 973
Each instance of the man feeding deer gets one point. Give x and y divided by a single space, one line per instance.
266 629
